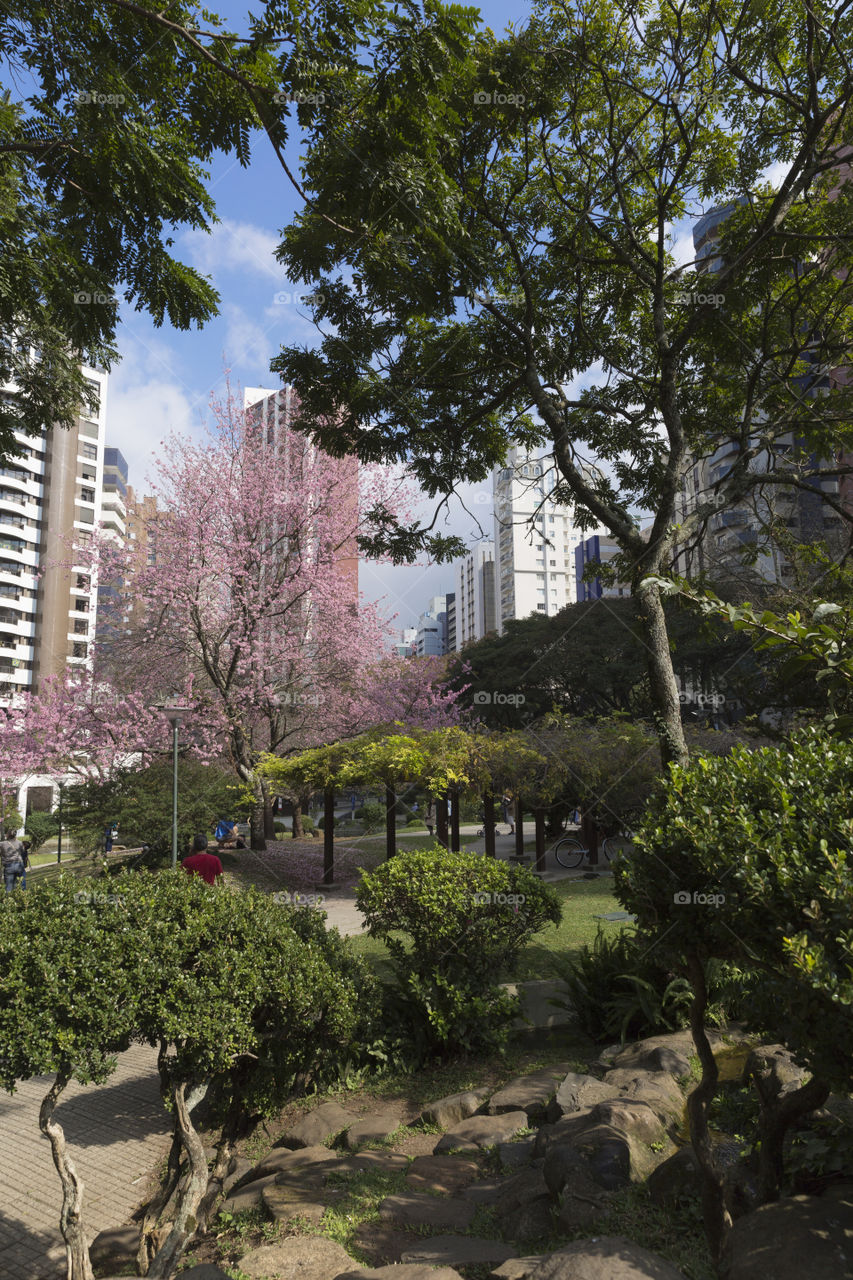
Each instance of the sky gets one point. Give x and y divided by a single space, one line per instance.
165 379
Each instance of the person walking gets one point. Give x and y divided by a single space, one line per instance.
14 860
429 816
506 806
201 863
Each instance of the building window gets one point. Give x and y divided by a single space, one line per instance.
87 495
81 627
541 606
79 649
89 451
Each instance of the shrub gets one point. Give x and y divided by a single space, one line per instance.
372 815
321 823
618 987
40 827
465 918
307 824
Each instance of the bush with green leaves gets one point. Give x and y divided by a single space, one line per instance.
619 988
464 919
140 800
371 814
39 827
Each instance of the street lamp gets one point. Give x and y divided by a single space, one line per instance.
174 712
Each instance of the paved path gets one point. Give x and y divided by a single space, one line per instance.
117 1133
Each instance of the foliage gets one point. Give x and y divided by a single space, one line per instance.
619 987
107 131
746 858
520 281
140 800
372 815
465 918
12 822
40 827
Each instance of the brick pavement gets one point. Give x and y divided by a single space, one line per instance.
116 1132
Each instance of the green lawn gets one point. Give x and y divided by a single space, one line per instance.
583 900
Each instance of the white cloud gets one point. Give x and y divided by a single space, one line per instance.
775 173
234 247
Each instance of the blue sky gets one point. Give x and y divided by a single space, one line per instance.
166 378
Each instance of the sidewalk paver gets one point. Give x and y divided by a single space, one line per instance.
117 1133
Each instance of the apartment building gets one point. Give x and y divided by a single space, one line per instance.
733 535
474 612
50 501
597 549
431 631
274 410
535 539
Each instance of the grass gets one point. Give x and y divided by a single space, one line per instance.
365 1191
583 900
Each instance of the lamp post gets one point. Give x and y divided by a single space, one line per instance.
174 712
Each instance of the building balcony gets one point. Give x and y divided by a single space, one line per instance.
729 520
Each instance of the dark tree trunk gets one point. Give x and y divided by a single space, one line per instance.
269 816
328 835
71 1214
775 1119
489 823
589 837
715 1214
390 822
454 820
518 817
441 820
539 819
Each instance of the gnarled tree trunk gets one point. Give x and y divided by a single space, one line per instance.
165 1261
716 1216
78 1266
775 1119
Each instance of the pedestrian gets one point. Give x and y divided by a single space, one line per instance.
110 835
201 863
506 801
14 859
429 816
25 845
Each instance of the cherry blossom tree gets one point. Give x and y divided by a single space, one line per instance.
245 591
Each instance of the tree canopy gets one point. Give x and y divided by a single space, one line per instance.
514 276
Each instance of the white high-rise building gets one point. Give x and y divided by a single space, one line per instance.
475 594
50 500
535 539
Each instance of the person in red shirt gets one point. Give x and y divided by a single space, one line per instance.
201 863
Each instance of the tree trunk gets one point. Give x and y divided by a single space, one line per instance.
257 825
589 837
664 690
269 816
775 1119
298 830
165 1261
78 1266
716 1216
158 1202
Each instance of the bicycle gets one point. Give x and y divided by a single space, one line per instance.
570 852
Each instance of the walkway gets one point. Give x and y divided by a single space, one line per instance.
117 1133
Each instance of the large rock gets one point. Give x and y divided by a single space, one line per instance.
378 1162
482 1131
373 1128
794 1239
607 1258
443 1175
671 1052
288 1201
115 1248
308 1161
632 1117
297 1258
317 1128
578 1093
771 1067
414 1209
238 1174
612 1159
458 1251
400 1271
657 1088
581 1202
676 1179
517 1268
530 1093
515 1155
564 1131
249 1196
449 1111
